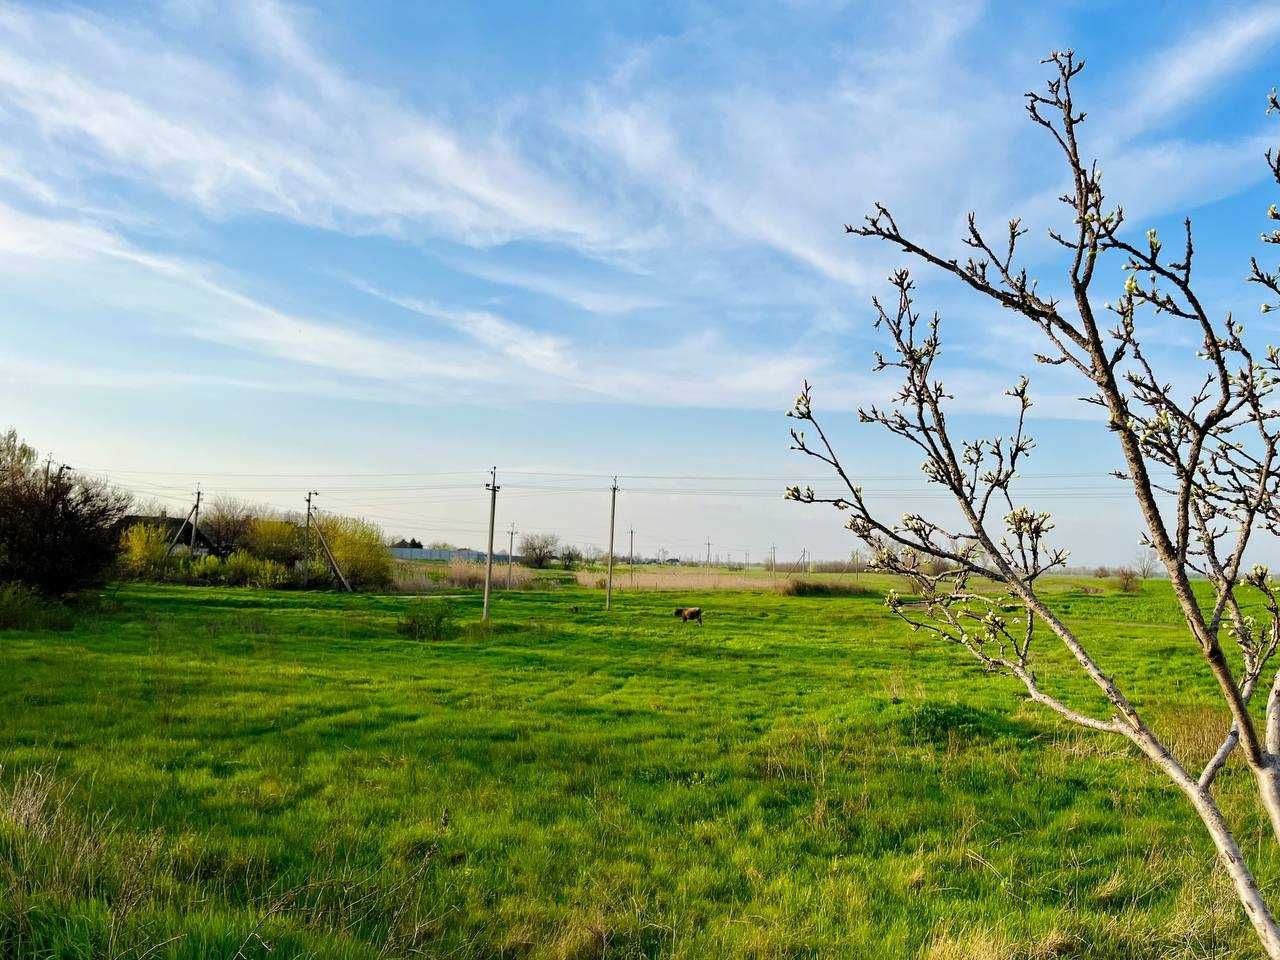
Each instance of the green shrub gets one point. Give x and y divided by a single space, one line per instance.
315 572
360 551
59 530
24 608
243 569
272 538
429 620
207 569
142 550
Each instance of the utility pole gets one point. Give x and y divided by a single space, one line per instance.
708 554
773 560
328 554
747 565
511 549
492 487
633 558
178 535
306 542
613 508
195 522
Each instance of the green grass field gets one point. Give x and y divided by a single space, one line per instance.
231 773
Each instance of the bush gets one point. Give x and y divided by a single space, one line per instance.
273 538
1127 580
24 608
59 531
359 550
429 620
142 550
314 572
207 569
820 588
243 569
570 556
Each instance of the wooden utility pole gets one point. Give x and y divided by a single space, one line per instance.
511 550
195 522
613 507
632 556
492 487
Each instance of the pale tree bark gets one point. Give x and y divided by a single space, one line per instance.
1201 466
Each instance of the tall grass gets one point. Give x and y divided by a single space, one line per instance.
699 579
415 577
25 608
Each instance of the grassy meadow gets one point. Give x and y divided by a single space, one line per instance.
214 772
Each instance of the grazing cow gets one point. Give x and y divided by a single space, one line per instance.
689 613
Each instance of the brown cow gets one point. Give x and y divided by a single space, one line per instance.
689 613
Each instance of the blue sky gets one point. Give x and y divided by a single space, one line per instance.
377 248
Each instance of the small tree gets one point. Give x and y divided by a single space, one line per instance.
570 556
1145 562
538 549
143 547
1219 440
59 530
226 523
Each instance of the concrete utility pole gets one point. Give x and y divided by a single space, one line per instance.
492 487
511 549
306 542
178 534
328 554
773 560
632 556
613 509
195 522
708 554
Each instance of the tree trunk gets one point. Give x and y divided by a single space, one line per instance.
1268 778
1255 907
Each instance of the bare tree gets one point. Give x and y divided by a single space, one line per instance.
1145 562
570 556
226 522
1201 463
538 549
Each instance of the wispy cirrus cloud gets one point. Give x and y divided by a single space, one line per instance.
696 188
300 141
1168 82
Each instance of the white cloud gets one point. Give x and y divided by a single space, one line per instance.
307 143
1189 71
592 297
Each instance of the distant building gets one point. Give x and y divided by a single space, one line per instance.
453 553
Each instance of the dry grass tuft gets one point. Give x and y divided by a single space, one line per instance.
978 943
